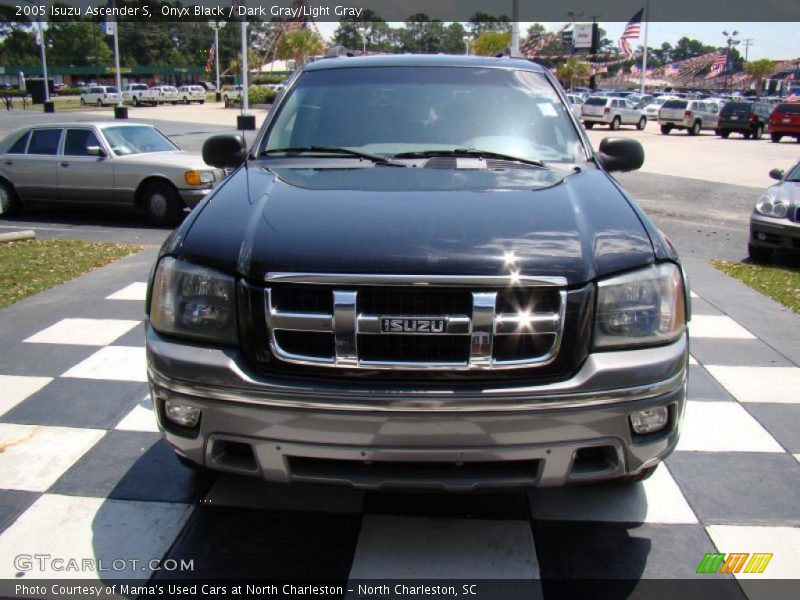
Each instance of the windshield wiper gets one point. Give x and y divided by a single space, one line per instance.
293 150
470 153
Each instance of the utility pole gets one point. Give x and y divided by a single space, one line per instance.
747 43
593 51
730 41
644 52
515 28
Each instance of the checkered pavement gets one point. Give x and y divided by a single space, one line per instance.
84 473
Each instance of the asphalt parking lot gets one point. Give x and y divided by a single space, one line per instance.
84 472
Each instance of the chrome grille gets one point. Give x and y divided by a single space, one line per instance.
343 321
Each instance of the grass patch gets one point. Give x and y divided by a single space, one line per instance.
30 266
779 283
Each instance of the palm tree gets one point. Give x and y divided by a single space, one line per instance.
490 43
573 70
300 45
759 70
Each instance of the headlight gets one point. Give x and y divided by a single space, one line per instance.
771 207
198 177
646 307
194 302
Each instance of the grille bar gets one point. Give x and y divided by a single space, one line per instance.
482 340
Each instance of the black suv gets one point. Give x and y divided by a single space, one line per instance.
750 118
420 274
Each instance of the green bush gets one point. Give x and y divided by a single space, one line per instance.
69 91
263 78
260 94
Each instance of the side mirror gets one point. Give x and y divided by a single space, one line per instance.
224 151
95 151
620 154
776 174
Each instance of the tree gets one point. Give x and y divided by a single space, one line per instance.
380 37
300 45
759 70
573 71
480 22
78 43
490 43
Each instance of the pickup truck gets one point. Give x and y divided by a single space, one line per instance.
420 274
138 93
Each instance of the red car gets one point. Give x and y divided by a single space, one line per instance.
785 120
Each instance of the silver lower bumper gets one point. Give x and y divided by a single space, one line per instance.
458 439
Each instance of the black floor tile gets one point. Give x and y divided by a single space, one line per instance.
781 420
490 505
12 504
703 386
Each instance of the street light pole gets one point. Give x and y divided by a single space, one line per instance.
216 26
731 41
466 43
43 54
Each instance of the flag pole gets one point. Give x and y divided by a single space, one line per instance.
116 62
644 53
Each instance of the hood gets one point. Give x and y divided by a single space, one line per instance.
787 192
419 221
176 158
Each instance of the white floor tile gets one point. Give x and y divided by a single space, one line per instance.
693 295
693 360
84 332
760 384
135 291
782 542
118 363
424 548
656 500
33 457
717 326
141 418
14 389
73 527
797 456
723 427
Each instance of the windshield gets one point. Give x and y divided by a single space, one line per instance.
389 111
137 140
794 174
596 101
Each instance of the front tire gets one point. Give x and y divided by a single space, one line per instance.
695 128
83 102
588 125
759 254
747 135
162 205
615 123
775 137
100 103
724 134
136 100
641 124
758 133
665 129
10 204
185 100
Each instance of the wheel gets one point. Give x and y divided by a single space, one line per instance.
759 254
695 128
724 134
202 101
747 135
10 204
174 103
641 124
637 477
161 204
665 129
185 100
588 125
775 137
614 126
99 102
225 98
83 102
758 133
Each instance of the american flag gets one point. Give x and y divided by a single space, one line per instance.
212 53
793 99
634 69
631 32
672 69
717 67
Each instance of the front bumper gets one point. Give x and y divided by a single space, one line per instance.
455 439
192 198
769 232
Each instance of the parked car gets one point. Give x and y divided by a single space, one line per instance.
640 100
209 86
690 115
785 121
192 93
576 102
651 109
138 93
604 110
277 87
165 93
747 117
492 311
102 163
233 94
775 222
101 95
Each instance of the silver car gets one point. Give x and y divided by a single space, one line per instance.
775 221
691 115
102 163
602 110
576 103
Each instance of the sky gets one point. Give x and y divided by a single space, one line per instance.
769 40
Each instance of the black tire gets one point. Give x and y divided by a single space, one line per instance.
695 128
615 123
225 99
588 125
724 134
136 100
83 102
99 103
758 133
162 205
175 103
665 129
747 135
10 204
759 254
637 477
185 100
641 124
775 137
202 101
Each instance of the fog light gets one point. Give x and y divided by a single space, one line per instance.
182 413
649 419
761 236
